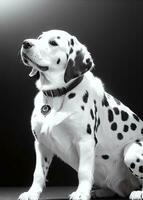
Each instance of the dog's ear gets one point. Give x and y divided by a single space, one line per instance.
79 60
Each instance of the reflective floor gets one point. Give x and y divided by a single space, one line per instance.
12 193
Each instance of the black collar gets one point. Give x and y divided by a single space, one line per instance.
61 91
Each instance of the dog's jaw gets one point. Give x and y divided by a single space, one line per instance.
35 66
49 80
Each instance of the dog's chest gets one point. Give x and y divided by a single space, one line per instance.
62 143
80 109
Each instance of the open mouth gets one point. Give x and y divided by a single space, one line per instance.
26 58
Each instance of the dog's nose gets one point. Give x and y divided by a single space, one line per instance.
27 44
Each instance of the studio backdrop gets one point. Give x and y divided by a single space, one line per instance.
112 31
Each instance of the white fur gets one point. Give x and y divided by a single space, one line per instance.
63 132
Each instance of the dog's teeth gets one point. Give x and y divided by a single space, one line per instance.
33 72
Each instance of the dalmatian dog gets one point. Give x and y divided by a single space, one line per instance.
77 120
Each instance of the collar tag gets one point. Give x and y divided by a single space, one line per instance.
45 109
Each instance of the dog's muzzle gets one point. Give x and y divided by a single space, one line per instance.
27 45
26 59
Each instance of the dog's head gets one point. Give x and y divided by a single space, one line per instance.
57 55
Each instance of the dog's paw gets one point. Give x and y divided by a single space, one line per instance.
78 195
28 196
136 195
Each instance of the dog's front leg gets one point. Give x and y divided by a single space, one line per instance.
86 152
41 169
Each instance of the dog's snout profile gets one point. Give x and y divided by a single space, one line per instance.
27 44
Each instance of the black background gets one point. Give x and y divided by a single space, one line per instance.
112 31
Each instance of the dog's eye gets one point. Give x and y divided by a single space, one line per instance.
53 43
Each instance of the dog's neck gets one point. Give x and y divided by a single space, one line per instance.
64 90
42 82
51 90
49 82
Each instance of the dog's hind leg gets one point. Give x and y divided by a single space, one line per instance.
102 193
133 158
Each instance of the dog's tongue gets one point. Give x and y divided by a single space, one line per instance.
33 72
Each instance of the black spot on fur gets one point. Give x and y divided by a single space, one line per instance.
133 126
95 127
104 101
132 165
124 116
136 117
116 110
72 42
141 169
71 50
58 61
95 138
117 101
120 136
98 123
105 157
67 56
139 142
95 109
82 107
87 60
58 37
85 97
142 131
114 126
110 115
45 159
126 128
138 160
95 114
91 113
71 95
88 129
